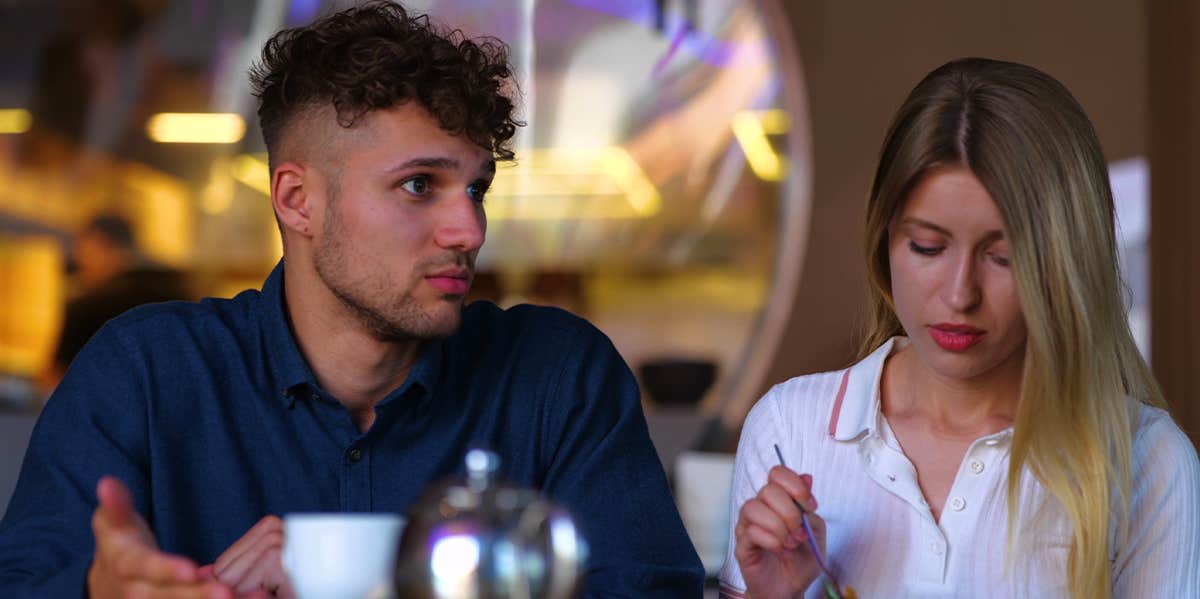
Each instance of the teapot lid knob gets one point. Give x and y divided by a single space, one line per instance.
481 468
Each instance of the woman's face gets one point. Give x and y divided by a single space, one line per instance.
952 283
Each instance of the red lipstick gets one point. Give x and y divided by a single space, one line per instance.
955 337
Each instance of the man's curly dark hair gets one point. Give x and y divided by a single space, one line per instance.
377 56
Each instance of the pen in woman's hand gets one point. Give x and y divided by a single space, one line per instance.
832 589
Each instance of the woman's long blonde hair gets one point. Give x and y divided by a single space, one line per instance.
1032 147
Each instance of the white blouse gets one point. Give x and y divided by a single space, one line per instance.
882 538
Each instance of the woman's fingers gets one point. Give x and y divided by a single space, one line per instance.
756 513
783 506
798 486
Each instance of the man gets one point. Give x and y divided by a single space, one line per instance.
356 377
112 277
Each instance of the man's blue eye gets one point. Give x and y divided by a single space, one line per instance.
476 191
416 185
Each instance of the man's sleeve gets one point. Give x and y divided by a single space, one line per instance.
604 468
93 425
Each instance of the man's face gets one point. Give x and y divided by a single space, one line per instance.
402 223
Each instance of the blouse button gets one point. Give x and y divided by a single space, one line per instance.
976 466
958 504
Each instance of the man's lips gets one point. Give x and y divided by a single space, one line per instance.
955 337
454 281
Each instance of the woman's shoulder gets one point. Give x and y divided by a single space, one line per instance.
806 398
1158 438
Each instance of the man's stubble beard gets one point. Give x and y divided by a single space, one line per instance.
402 320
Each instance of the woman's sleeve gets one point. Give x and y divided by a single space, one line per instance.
763 428
1161 553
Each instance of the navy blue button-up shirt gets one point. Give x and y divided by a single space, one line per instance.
211 416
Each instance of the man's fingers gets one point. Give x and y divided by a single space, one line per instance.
265 551
203 590
240 556
116 505
138 562
265 574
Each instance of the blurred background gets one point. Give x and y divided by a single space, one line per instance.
691 179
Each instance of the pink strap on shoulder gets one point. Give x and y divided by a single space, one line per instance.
837 404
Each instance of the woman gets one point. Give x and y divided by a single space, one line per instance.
1001 435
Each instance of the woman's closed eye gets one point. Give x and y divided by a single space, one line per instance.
925 250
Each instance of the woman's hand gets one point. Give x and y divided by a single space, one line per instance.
771 546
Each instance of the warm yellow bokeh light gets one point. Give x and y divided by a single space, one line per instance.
32 293
196 127
573 184
751 129
15 120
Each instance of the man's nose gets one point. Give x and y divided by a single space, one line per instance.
461 225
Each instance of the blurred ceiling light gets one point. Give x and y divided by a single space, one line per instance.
217 195
196 127
252 171
545 184
573 184
751 128
15 120
162 213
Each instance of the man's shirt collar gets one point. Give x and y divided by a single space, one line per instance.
292 373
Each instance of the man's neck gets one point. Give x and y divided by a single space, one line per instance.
350 362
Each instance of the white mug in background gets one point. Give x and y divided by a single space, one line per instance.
341 555
703 482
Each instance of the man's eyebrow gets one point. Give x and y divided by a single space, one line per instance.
425 162
487 168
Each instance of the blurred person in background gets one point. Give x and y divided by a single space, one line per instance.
356 377
111 277
1002 435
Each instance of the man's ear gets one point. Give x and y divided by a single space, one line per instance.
291 197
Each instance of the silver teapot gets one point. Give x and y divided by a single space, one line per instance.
484 539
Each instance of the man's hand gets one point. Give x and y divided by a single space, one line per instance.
127 562
770 545
253 564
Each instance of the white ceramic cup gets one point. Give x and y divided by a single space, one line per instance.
341 555
703 482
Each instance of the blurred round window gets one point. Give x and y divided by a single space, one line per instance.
661 183
660 187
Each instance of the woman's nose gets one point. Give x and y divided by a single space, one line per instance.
962 292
